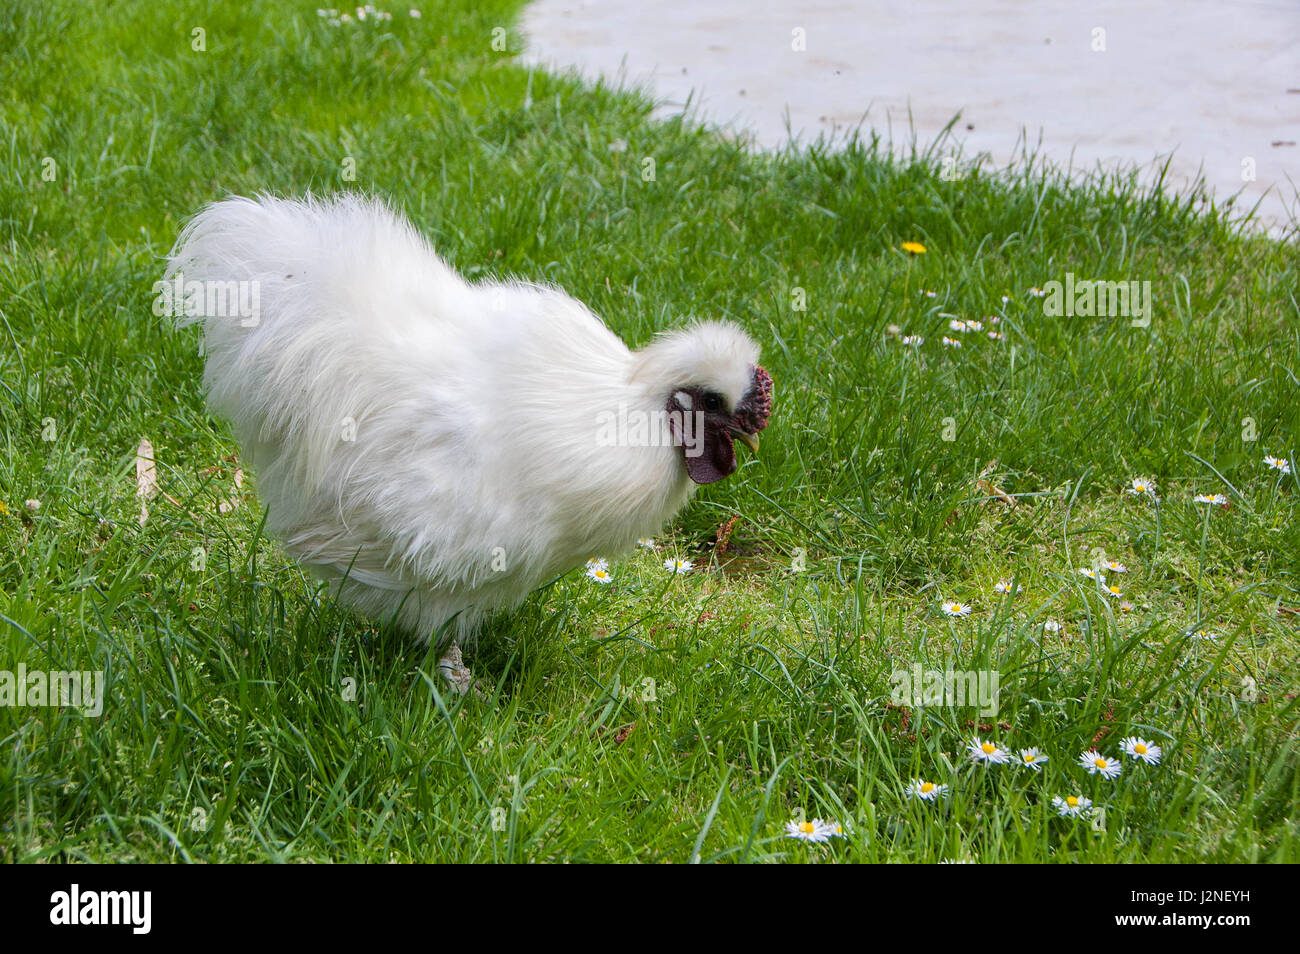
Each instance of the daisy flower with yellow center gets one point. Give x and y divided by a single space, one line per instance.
1278 463
1032 758
912 340
1005 586
951 342
599 574
914 248
597 563
1051 626
1204 634
926 791
1142 750
814 831
955 608
974 324
1126 607
1092 574
1098 764
645 543
981 750
956 324
1216 499
1116 567
929 294
1037 292
1071 805
997 336
678 566
1143 487
1113 589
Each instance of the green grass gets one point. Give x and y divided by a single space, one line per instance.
247 718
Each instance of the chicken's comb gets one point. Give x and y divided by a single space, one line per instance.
756 407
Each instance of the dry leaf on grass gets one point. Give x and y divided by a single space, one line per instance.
228 505
146 476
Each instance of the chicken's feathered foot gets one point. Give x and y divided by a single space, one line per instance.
452 668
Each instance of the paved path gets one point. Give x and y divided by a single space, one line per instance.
1215 82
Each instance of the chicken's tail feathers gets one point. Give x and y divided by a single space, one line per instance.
213 255
241 255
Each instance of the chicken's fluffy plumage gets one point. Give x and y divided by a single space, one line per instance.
427 444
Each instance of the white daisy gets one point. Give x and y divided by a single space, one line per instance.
1113 589
645 543
1217 499
1143 487
1004 586
1037 292
1116 567
927 791
1142 750
1051 626
1032 758
599 573
1278 463
913 340
597 563
1204 634
951 342
413 14
997 336
974 324
1092 574
1071 805
957 325
678 566
955 608
984 751
814 831
1098 764
1126 607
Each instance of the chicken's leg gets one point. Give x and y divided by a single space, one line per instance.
452 668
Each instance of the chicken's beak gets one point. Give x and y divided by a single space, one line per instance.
749 440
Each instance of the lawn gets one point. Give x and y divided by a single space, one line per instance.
661 717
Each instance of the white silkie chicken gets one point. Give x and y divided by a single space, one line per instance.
438 449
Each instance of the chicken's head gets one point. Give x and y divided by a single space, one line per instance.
716 394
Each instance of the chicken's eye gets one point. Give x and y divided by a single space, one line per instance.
712 402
